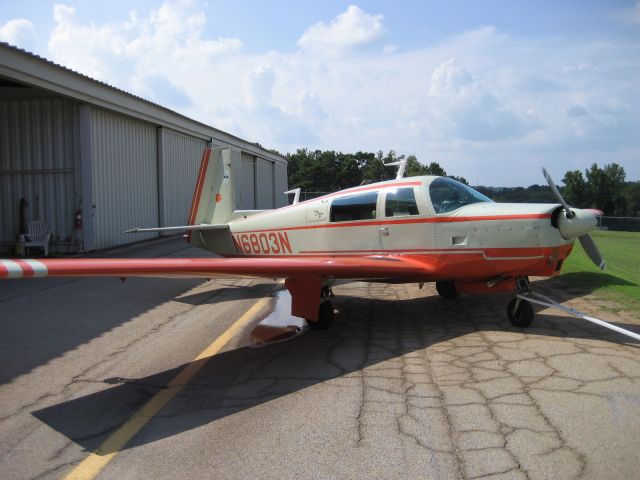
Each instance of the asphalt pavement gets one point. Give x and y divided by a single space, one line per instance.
405 384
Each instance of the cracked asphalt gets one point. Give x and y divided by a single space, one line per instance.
405 385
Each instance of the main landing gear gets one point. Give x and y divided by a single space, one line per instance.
325 312
447 290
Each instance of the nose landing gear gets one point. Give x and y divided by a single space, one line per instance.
520 311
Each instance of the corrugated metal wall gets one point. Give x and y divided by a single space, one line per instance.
179 159
246 183
141 175
125 178
39 157
281 184
264 185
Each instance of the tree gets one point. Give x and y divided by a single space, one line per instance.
329 171
348 173
604 187
414 167
374 169
459 179
434 168
575 189
631 195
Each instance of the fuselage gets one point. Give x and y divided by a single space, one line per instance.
423 217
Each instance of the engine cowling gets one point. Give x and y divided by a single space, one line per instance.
582 222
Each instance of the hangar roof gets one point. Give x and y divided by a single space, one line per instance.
25 67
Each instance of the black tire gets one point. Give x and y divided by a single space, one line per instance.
522 316
325 317
447 290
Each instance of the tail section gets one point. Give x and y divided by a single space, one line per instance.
213 202
214 196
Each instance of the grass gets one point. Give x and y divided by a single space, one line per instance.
620 282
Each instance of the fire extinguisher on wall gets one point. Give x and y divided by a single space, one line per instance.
77 219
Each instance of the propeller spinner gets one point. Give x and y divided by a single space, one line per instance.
571 226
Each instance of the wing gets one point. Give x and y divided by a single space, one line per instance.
387 268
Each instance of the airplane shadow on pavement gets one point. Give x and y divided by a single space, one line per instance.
366 332
41 324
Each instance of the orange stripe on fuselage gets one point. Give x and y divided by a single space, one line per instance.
364 223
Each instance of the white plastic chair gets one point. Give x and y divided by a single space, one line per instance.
38 236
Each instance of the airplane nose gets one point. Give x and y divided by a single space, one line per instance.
582 222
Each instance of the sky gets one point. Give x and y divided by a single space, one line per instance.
490 90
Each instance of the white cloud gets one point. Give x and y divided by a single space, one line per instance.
635 14
20 33
503 107
465 109
390 48
629 15
138 54
349 30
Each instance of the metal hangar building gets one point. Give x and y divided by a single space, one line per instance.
92 160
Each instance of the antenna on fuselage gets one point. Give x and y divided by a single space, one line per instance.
296 195
401 163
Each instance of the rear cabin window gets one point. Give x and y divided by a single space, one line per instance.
354 207
400 203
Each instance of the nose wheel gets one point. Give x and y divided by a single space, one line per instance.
520 312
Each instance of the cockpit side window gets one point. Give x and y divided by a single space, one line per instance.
448 195
400 202
354 207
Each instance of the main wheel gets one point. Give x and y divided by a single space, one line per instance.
520 312
325 317
447 290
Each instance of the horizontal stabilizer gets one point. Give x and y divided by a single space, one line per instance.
204 226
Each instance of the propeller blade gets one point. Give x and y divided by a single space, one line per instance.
592 251
556 192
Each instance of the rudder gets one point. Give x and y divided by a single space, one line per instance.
214 197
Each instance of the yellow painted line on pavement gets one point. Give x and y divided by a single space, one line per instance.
91 466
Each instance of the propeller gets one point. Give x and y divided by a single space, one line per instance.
586 241
592 251
556 192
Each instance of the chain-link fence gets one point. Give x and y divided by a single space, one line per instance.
621 224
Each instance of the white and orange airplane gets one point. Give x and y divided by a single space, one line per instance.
416 229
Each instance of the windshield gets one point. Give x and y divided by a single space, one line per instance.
448 195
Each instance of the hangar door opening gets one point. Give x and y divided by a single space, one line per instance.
39 166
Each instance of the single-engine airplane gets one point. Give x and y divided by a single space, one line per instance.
415 229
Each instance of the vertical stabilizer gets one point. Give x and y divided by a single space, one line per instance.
214 196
